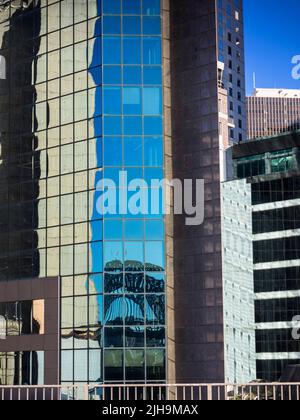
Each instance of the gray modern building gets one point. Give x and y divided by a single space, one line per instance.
89 89
261 258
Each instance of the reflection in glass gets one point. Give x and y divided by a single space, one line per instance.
155 337
113 337
22 318
22 368
134 309
113 310
134 283
135 337
155 283
134 365
155 309
156 369
113 365
113 283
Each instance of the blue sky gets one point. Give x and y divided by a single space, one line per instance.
272 38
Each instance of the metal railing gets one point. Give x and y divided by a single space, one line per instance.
161 392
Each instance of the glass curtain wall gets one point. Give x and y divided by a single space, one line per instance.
82 100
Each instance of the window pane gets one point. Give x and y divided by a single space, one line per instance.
112 50
112 100
112 7
113 229
155 230
153 149
112 75
113 151
151 7
152 50
132 7
132 75
151 25
154 256
96 257
153 126
152 101
133 126
113 255
134 256
131 50
134 229
133 151
152 76
132 100
112 126
131 25
111 25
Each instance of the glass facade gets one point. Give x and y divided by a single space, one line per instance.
267 163
82 101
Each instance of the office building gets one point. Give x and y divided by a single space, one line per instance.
272 111
87 89
261 259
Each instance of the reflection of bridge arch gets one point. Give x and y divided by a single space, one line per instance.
131 308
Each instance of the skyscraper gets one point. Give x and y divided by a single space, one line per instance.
91 89
261 259
204 81
272 111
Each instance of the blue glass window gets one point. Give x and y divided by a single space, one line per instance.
153 151
152 76
153 126
131 25
151 7
112 25
131 50
112 174
154 230
132 75
96 72
155 282
152 102
134 229
133 151
133 126
97 230
112 7
153 173
132 101
132 7
112 50
113 253
113 229
151 25
95 47
112 100
154 252
112 75
113 151
134 252
96 257
134 173
152 50
112 126
96 283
